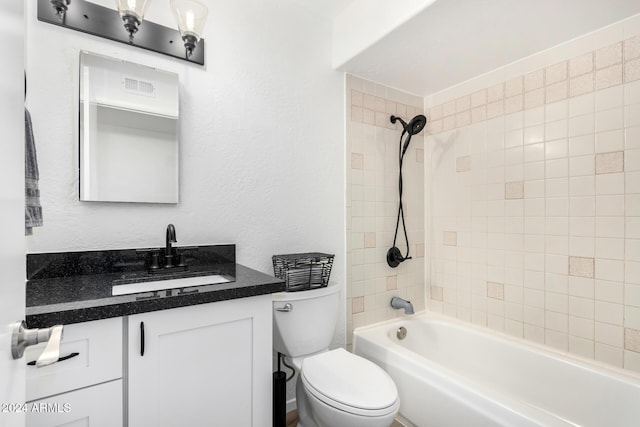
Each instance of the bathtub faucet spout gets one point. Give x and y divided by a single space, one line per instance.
398 303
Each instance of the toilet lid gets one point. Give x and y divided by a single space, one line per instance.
349 382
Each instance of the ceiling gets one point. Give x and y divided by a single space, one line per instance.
452 41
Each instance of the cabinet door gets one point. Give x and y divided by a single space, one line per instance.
97 406
204 365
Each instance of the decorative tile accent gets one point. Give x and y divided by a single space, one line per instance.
479 114
420 250
356 114
610 162
357 305
436 293
581 65
478 98
534 98
436 112
450 238
514 190
632 70
463 119
357 98
581 85
555 73
392 283
607 77
370 239
463 164
581 267
609 55
495 290
513 104
632 340
534 80
632 48
463 103
357 161
557 92
495 93
513 87
495 109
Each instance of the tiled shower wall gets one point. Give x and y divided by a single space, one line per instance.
533 198
372 203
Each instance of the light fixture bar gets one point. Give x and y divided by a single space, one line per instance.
103 22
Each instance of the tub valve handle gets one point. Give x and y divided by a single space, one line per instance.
286 308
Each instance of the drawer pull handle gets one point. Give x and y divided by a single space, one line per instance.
141 338
60 359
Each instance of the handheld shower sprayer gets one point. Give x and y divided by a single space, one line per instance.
415 126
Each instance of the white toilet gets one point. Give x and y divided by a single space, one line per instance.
334 388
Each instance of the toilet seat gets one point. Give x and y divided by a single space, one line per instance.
350 383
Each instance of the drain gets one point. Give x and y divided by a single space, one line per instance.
402 333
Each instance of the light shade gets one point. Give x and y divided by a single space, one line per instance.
132 13
136 8
191 16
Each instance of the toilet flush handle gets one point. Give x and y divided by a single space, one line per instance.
286 308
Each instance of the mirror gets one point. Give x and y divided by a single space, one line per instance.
128 132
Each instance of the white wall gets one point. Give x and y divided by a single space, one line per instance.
262 156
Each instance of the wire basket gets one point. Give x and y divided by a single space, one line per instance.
303 271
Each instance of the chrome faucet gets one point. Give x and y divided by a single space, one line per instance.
398 303
168 252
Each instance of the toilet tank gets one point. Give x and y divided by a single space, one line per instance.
308 327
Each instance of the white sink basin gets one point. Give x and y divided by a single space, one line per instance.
158 285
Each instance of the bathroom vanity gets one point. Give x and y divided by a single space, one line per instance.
197 355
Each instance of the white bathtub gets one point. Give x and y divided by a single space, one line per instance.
453 374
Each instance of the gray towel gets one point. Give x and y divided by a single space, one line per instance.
32 208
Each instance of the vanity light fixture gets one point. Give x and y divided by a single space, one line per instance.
132 12
91 18
60 6
191 15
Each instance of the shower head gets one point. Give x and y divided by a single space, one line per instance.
414 126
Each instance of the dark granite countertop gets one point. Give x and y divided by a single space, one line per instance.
73 298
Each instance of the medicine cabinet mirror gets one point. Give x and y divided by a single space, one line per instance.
128 132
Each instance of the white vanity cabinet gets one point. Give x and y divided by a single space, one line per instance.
86 388
202 365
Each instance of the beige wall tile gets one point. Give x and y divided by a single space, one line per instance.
581 65
495 93
514 87
392 283
495 109
449 108
514 190
495 290
436 112
463 103
581 267
357 98
534 98
557 92
632 48
369 117
610 162
419 155
463 164
463 119
479 114
555 73
357 305
449 238
356 114
609 55
437 293
420 250
581 85
632 340
479 98
369 239
534 80
632 70
357 161
513 104
608 77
